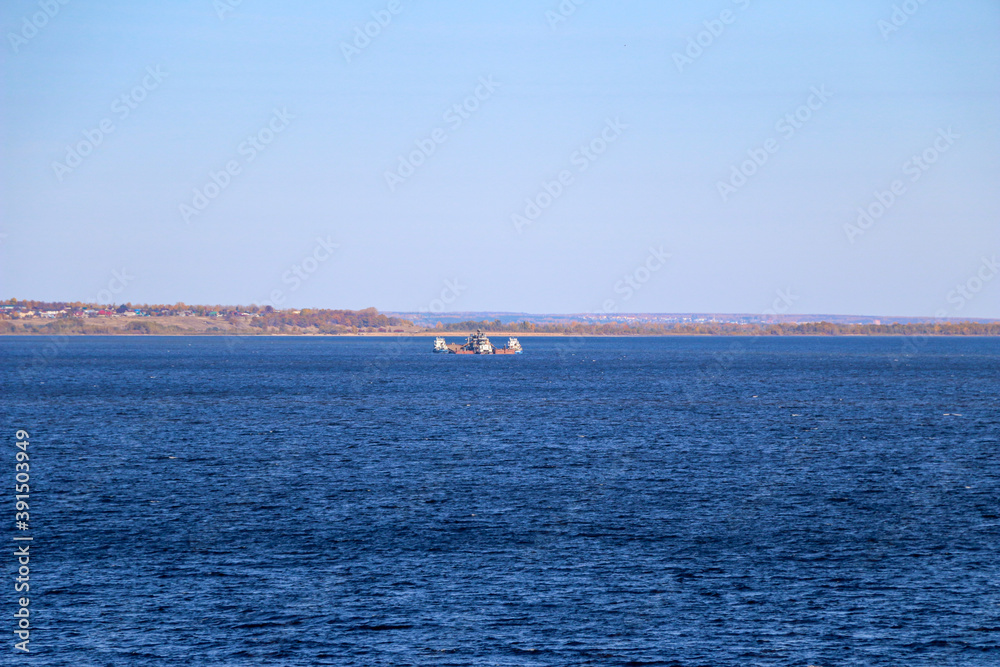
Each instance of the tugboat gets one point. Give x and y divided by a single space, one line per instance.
512 347
477 343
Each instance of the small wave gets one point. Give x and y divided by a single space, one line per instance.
380 627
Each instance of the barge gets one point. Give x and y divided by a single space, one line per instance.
477 343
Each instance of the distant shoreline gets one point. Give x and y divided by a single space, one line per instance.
74 320
495 334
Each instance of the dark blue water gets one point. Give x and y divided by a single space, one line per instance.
673 501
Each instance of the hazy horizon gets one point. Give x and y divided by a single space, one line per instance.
772 312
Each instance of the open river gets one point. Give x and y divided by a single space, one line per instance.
596 501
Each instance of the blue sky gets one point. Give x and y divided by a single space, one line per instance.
673 128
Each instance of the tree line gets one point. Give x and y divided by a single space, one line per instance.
730 328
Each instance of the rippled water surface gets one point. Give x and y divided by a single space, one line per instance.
672 501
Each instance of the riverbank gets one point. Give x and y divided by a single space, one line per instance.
213 326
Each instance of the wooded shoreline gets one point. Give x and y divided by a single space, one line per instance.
213 326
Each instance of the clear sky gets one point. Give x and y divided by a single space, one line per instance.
653 137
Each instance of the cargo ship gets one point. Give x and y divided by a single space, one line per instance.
477 343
